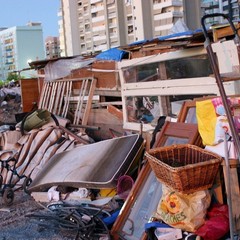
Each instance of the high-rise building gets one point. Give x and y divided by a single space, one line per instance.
52 47
18 46
91 26
229 7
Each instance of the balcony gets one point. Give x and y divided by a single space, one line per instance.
163 27
99 38
113 39
95 1
130 22
168 3
98 29
112 25
101 47
112 15
98 19
97 9
85 2
168 15
111 10
131 38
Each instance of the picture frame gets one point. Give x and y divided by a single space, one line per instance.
138 207
177 133
143 199
188 112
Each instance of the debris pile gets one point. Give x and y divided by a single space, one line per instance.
10 104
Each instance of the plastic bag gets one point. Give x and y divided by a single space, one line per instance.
184 211
217 224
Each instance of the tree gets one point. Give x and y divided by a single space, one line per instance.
12 76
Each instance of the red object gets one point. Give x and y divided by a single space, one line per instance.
124 186
217 224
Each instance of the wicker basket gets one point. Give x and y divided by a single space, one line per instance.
185 168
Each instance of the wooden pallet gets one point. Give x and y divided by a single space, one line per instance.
56 97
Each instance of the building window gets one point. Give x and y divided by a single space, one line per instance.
87 26
94 15
130 29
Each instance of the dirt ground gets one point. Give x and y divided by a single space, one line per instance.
15 222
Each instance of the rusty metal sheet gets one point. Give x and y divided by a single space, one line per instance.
96 165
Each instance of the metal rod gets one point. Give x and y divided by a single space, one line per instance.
224 99
76 137
229 194
214 65
84 126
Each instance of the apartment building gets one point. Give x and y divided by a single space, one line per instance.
92 26
230 7
18 46
52 47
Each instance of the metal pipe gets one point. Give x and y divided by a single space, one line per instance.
214 65
83 126
229 194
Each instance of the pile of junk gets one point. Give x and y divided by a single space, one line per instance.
120 188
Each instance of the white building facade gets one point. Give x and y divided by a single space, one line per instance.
221 6
18 46
91 26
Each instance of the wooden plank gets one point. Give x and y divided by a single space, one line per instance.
78 110
227 56
223 31
115 111
104 120
47 96
29 93
52 97
61 98
57 102
164 102
42 96
235 192
89 102
65 102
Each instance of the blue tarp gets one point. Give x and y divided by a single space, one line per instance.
116 54
112 54
174 35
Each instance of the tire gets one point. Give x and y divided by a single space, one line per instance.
26 183
8 196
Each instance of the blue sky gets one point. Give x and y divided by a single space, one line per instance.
20 12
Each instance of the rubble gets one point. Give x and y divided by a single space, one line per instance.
46 160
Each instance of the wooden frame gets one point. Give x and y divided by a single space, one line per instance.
177 133
56 97
164 87
143 198
140 206
188 112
